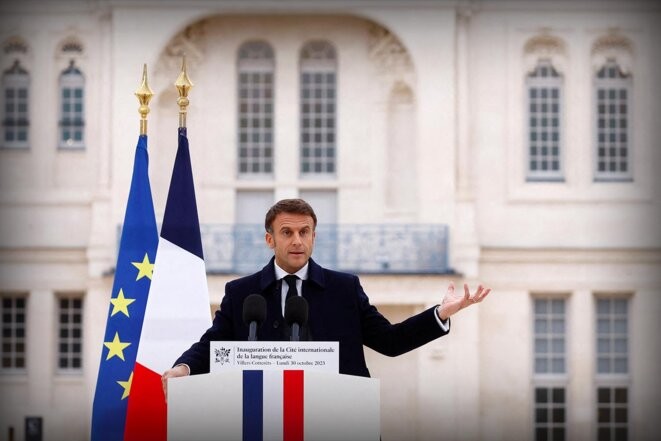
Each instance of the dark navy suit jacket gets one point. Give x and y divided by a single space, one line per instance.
339 311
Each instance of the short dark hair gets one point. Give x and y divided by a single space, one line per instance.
295 206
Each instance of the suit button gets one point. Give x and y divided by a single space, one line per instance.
276 324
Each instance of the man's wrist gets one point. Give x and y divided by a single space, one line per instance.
438 314
444 324
184 365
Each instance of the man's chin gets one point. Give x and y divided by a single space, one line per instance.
297 260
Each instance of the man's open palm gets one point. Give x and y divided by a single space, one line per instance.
454 301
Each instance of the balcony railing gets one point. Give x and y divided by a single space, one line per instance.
376 249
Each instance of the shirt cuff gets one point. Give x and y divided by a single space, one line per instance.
188 367
444 324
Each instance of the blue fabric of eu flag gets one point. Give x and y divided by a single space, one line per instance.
137 252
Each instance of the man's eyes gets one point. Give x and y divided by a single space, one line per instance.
288 233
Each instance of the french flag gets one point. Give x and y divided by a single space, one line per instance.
177 311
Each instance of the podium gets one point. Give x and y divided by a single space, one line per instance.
287 405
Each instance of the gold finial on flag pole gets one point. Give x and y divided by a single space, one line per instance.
183 85
144 95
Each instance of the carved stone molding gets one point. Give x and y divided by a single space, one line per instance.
15 46
544 45
612 42
189 42
387 51
71 46
70 49
15 51
612 46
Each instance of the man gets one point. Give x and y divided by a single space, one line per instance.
339 309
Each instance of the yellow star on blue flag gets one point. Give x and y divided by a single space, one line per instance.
145 268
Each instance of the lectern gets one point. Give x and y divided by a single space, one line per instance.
287 405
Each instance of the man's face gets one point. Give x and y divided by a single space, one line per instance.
292 240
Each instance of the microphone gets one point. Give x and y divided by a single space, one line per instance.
296 315
254 314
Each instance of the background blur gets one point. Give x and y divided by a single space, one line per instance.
509 143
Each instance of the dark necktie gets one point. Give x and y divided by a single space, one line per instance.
291 281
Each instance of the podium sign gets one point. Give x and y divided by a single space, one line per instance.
274 355
273 405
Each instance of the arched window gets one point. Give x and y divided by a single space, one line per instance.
544 99
72 116
15 120
318 85
612 92
256 64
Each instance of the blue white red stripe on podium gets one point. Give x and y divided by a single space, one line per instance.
282 417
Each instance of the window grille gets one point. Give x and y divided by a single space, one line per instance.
70 334
613 143
544 99
72 116
318 91
16 120
256 64
13 332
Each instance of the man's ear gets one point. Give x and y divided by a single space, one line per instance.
268 237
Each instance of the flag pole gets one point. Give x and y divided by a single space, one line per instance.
144 94
183 85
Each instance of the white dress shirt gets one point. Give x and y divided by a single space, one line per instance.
280 274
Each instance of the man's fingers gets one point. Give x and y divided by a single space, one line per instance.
484 294
480 294
467 292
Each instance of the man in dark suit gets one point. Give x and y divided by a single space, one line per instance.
339 309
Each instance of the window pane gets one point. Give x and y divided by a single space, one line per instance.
603 395
603 346
603 434
541 416
541 345
558 365
541 365
541 326
620 326
621 395
620 434
603 326
558 434
558 326
621 415
559 415
603 415
558 395
541 434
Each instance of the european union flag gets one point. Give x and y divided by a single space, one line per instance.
137 252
